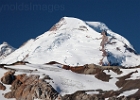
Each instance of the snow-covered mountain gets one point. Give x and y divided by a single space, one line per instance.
79 48
73 42
5 50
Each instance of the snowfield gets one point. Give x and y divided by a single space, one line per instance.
67 82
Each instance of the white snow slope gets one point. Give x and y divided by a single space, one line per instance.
5 50
72 41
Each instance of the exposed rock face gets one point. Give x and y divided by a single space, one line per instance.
29 88
136 95
94 69
82 95
19 63
127 84
2 87
102 44
58 25
103 76
111 95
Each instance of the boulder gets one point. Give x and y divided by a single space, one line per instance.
9 95
8 77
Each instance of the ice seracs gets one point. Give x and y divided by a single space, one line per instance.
74 42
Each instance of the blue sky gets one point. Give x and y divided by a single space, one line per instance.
25 19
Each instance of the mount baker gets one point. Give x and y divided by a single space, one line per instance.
74 42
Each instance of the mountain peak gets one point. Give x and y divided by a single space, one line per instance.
4 43
72 23
72 41
5 50
68 23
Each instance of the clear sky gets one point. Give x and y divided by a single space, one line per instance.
21 20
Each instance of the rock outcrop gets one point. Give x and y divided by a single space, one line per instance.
102 95
8 77
103 44
31 87
94 70
2 87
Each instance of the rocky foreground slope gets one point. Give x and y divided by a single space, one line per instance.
32 83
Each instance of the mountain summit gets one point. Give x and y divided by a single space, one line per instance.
5 50
74 42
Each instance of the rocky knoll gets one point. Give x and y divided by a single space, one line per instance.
24 87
